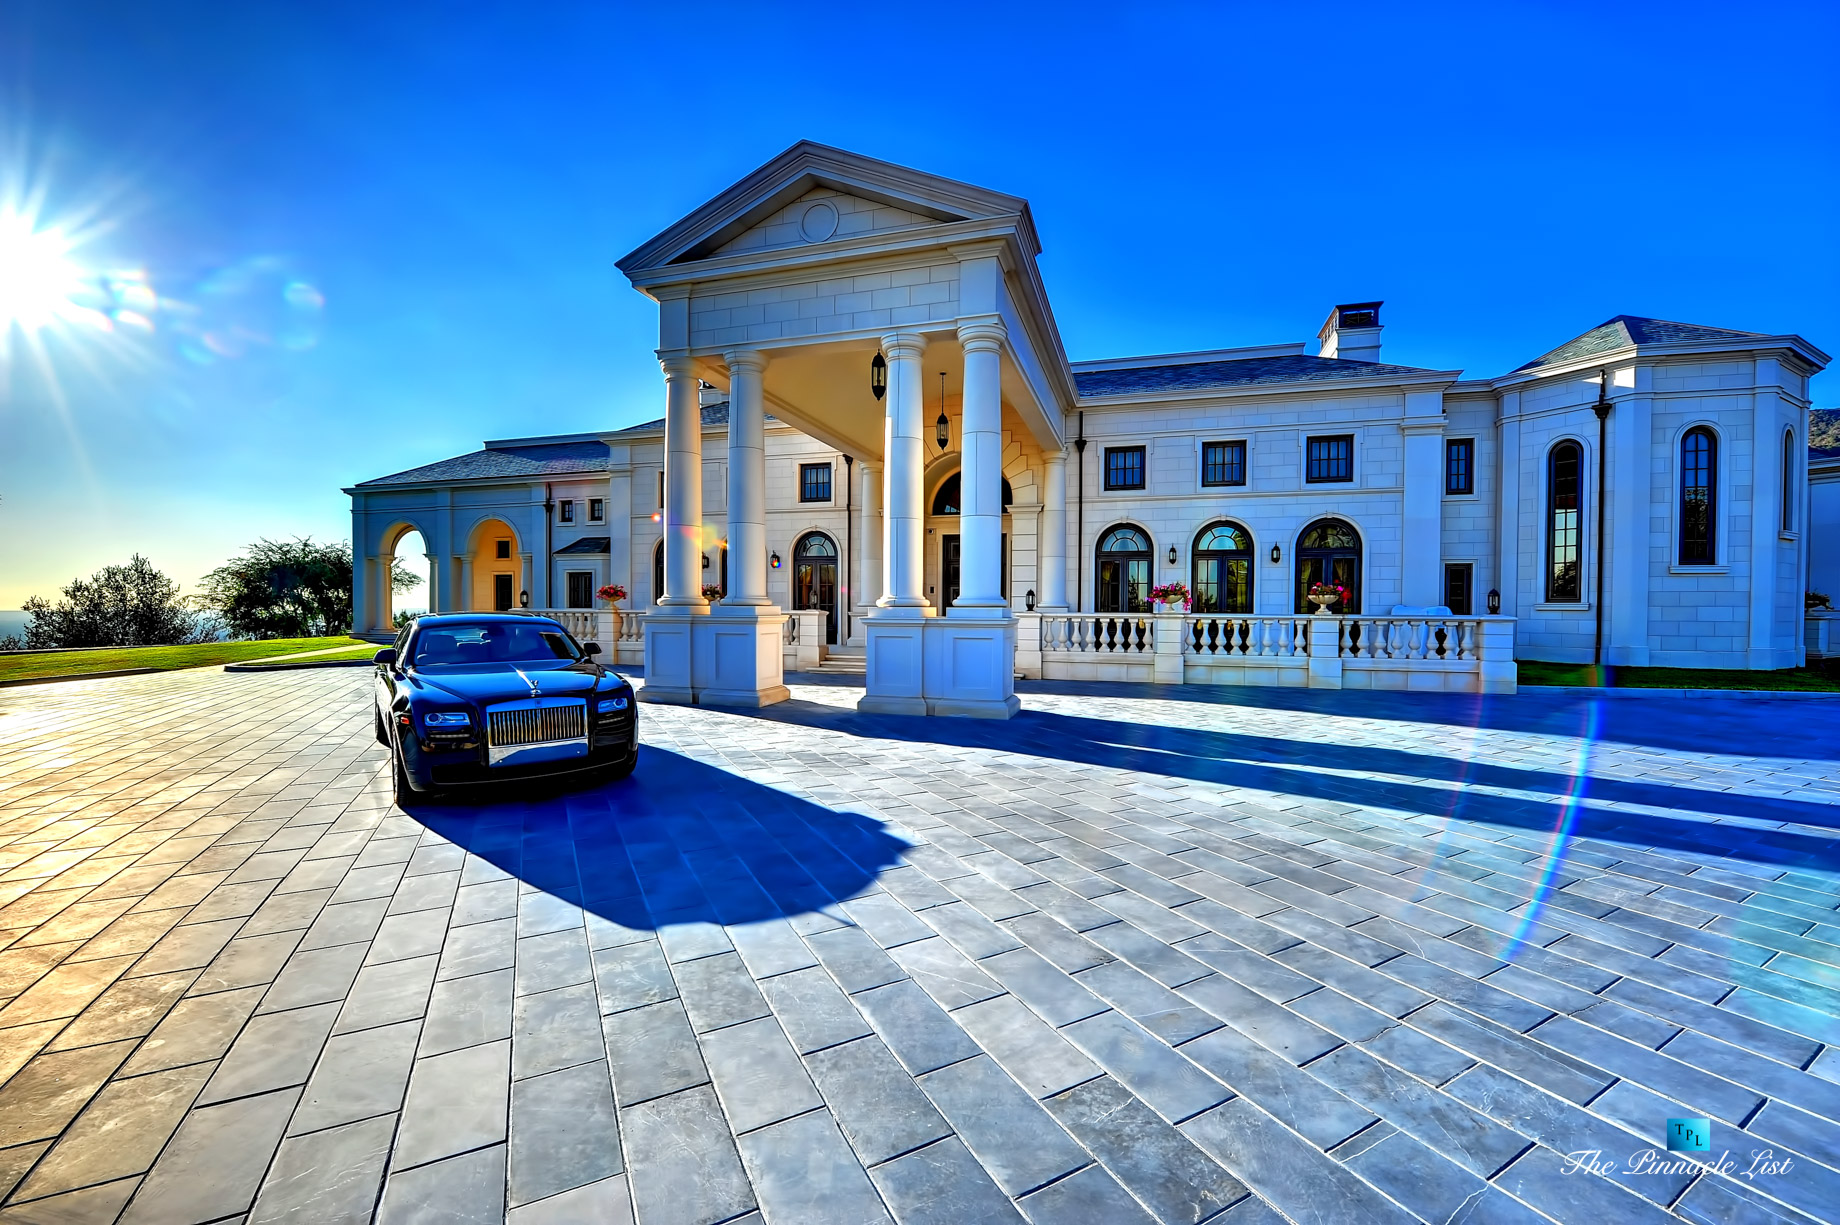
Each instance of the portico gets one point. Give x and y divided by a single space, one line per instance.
785 290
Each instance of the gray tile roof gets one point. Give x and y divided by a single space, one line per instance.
1626 330
531 460
713 414
1199 376
587 544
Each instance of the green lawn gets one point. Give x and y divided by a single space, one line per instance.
366 651
1806 680
65 663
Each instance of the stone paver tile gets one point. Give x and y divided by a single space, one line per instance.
1307 1185
128 1009
402 936
199 1028
770 947
555 1030
119 1134
102 1203
1040 1059
1443 1123
757 1076
921 1035
1166 1080
552 960
652 1052
358 1075
563 1132
284 912
464 1190
1056 996
607 1202
132 933
802 1170
813 1010
1425 1183
717 991
314 976
1089 1197
456 1102
188 946
64 991
632 975
1014 1139
331 1177
467 1011
1294 1097
214 1164
274 1051
681 1160
50 1090
387 993
247 961
1159 1165
874 1100
1280 1029
1539 1178
942 1184
945 973
479 948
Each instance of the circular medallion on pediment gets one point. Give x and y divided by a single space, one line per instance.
819 222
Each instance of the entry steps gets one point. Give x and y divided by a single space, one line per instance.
844 661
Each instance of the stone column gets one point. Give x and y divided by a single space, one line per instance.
1052 546
1767 417
1508 512
747 480
981 480
1421 567
683 487
365 596
527 573
465 602
869 537
903 582
1631 464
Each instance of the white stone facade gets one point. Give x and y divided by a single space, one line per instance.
819 261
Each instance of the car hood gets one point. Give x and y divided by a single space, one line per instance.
483 683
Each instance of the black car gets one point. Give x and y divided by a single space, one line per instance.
468 698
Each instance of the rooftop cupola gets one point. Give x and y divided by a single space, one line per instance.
1352 332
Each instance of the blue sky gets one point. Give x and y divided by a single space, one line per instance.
397 224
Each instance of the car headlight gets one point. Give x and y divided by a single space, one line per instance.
609 704
446 718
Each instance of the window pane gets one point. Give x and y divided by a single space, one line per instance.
1697 473
1459 462
1331 459
1223 463
1124 468
1457 578
1564 564
1788 482
814 482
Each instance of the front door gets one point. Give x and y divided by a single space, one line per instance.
814 580
501 592
949 569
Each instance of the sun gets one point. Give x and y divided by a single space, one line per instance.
40 283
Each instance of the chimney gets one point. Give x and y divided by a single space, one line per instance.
1352 332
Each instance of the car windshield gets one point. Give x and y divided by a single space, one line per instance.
494 642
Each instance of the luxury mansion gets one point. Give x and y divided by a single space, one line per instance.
875 446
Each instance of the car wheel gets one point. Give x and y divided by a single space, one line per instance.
382 732
400 790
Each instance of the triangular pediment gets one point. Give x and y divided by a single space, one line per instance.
813 194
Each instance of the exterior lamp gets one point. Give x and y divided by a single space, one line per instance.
1275 555
941 428
878 376
705 561
774 561
1494 602
1172 555
1029 599
523 599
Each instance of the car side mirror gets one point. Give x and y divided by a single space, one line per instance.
385 656
590 648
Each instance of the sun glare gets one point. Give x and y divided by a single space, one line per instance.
40 284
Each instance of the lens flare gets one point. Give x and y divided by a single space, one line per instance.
1554 858
40 284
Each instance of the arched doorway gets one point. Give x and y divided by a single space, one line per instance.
658 572
1223 569
949 500
493 571
404 548
1122 575
1329 551
814 578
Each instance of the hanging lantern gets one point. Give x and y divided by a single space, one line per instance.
942 428
878 376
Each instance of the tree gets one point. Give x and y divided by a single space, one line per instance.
288 588
131 605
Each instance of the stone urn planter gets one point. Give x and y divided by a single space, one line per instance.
613 593
1323 604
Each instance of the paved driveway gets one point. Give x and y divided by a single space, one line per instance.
1135 956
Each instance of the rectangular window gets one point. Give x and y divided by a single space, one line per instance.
503 549
1223 463
661 490
1788 489
1330 459
1564 525
814 482
1458 581
1124 467
581 589
567 511
597 510
1460 465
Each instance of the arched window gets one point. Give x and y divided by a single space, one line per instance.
1699 472
1223 569
1788 489
949 500
1123 572
658 573
1565 524
814 578
1329 551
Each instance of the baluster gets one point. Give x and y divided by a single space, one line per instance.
1421 639
1266 645
1466 642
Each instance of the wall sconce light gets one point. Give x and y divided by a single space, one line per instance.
705 561
1494 602
1172 555
1029 599
523 599
1275 555
878 376
774 561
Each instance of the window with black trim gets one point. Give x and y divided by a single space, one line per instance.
581 588
1459 465
1331 458
1459 582
661 489
503 549
1564 524
1788 481
1124 467
1223 463
1699 470
566 510
814 482
597 510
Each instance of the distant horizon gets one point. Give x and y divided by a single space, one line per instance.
314 286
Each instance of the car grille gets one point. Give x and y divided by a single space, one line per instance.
536 726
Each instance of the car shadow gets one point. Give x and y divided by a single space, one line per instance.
678 842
